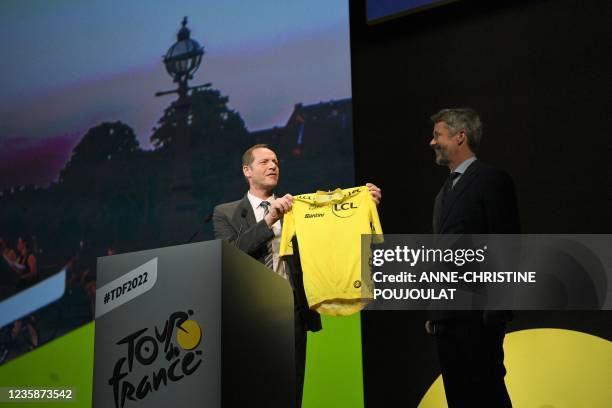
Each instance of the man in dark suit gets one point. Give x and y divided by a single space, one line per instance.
253 224
475 199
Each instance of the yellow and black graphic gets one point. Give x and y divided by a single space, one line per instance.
189 335
550 368
344 210
329 226
132 380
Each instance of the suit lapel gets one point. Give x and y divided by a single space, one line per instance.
464 181
244 204
437 213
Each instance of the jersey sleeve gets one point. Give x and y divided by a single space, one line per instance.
375 222
287 234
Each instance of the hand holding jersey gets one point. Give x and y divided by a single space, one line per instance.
278 208
375 192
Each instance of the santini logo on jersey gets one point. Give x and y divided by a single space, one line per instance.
315 215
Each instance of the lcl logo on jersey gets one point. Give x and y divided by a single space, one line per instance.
344 210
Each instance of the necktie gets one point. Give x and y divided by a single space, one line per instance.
448 186
269 258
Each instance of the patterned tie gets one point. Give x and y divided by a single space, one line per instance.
269 258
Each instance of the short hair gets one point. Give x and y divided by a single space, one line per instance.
465 119
247 157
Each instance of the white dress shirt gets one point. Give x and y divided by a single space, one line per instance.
462 168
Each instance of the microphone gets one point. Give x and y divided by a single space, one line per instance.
206 221
243 215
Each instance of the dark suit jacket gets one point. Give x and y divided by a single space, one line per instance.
483 201
251 237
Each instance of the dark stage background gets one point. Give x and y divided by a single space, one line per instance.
538 72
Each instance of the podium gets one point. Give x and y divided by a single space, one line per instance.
196 325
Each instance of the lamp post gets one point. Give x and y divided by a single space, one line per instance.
182 60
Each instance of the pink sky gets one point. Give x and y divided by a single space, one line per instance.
32 161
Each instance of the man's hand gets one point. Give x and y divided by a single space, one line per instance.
375 192
278 208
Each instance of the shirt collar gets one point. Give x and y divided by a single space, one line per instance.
256 201
464 165
323 197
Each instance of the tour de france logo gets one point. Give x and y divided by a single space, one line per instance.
133 380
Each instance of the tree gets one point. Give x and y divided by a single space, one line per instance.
200 119
100 144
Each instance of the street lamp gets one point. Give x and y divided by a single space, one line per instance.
182 60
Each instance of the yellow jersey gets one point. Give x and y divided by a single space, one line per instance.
328 226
